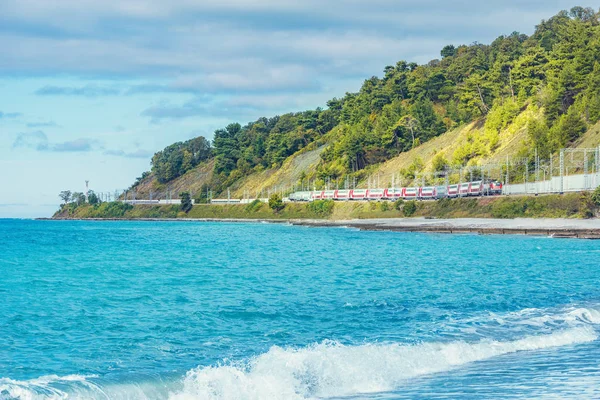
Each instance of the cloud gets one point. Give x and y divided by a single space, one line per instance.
38 140
49 124
89 90
139 153
35 140
166 110
77 145
154 88
9 115
13 204
228 44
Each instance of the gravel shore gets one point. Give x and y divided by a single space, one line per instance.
573 228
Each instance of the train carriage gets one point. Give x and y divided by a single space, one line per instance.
358 194
427 193
441 192
375 194
476 188
393 193
328 195
317 195
411 193
300 196
464 189
342 195
453 191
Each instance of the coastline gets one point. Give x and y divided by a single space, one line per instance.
553 227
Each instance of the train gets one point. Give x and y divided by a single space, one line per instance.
465 189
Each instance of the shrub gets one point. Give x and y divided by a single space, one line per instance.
384 206
276 203
596 196
254 206
409 208
587 205
509 208
398 204
186 202
321 208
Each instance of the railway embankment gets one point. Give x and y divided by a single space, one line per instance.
568 215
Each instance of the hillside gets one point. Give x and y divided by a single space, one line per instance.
476 106
511 140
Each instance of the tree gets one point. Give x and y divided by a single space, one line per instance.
440 163
178 158
78 198
410 123
448 51
276 203
65 196
186 202
93 198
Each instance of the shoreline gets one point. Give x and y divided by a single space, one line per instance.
552 227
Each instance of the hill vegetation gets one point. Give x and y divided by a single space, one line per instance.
543 89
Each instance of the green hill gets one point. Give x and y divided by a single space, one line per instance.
476 104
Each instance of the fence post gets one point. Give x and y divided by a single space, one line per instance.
506 180
537 172
527 176
598 166
562 171
551 172
585 169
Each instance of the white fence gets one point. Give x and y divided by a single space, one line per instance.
150 202
557 184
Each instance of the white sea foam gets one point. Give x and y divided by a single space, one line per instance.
44 387
78 387
534 317
332 369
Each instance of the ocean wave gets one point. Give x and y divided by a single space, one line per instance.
534 317
80 387
45 387
332 369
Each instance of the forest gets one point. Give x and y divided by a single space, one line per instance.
555 70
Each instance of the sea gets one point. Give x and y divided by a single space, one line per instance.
203 310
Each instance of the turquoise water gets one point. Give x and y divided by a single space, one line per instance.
174 310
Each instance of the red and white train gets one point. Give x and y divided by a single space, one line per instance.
466 189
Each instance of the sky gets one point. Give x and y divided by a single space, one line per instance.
90 89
